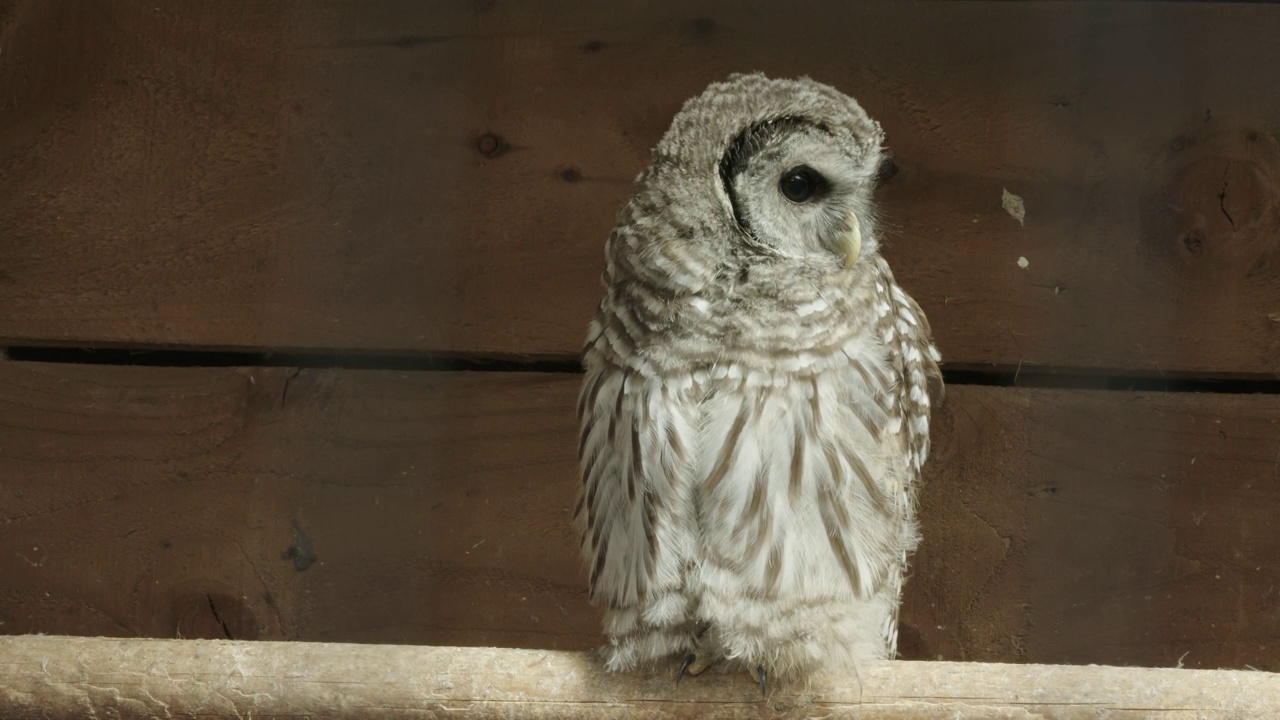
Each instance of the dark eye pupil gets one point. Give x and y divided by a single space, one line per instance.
799 184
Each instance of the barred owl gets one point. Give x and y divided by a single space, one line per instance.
755 409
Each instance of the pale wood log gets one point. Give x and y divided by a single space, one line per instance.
58 677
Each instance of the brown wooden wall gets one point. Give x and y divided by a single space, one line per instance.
376 185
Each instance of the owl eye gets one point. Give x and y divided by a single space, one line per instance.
800 184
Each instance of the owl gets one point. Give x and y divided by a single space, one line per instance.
755 407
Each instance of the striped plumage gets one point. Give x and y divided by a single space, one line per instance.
754 414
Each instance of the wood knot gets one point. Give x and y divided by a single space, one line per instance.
1217 198
1193 242
704 26
301 552
213 614
491 145
570 174
593 46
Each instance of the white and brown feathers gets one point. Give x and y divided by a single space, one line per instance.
754 415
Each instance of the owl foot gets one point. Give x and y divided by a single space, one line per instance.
694 663
758 674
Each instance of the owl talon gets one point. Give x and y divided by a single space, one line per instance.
684 666
758 674
693 664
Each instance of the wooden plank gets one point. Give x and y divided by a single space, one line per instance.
440 176
61 677
271 503
1102 527
433 508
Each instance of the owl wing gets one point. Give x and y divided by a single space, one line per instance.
919 388
916 363
634 511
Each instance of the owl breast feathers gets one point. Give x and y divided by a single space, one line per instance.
755 410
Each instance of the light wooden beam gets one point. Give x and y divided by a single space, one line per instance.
64 677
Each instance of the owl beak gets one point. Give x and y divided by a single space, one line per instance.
849 243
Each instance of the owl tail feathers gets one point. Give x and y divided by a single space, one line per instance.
802 640
648 644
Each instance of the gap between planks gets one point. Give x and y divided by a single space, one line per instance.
1026 376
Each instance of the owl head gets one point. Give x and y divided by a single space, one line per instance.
782 168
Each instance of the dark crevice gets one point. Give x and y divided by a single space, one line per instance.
1055 379
284 393
1222 198
1022 376
214 609
301 360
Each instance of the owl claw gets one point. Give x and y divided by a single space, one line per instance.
684 666
693 665
758 674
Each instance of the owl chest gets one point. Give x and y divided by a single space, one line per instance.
799 483
764 431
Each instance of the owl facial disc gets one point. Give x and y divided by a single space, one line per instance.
849 242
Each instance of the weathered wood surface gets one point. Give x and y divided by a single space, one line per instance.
60 677
440 176
433 508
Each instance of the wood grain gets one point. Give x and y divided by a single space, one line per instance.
433 508
60 677
440 176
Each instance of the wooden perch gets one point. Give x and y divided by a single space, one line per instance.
64 677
